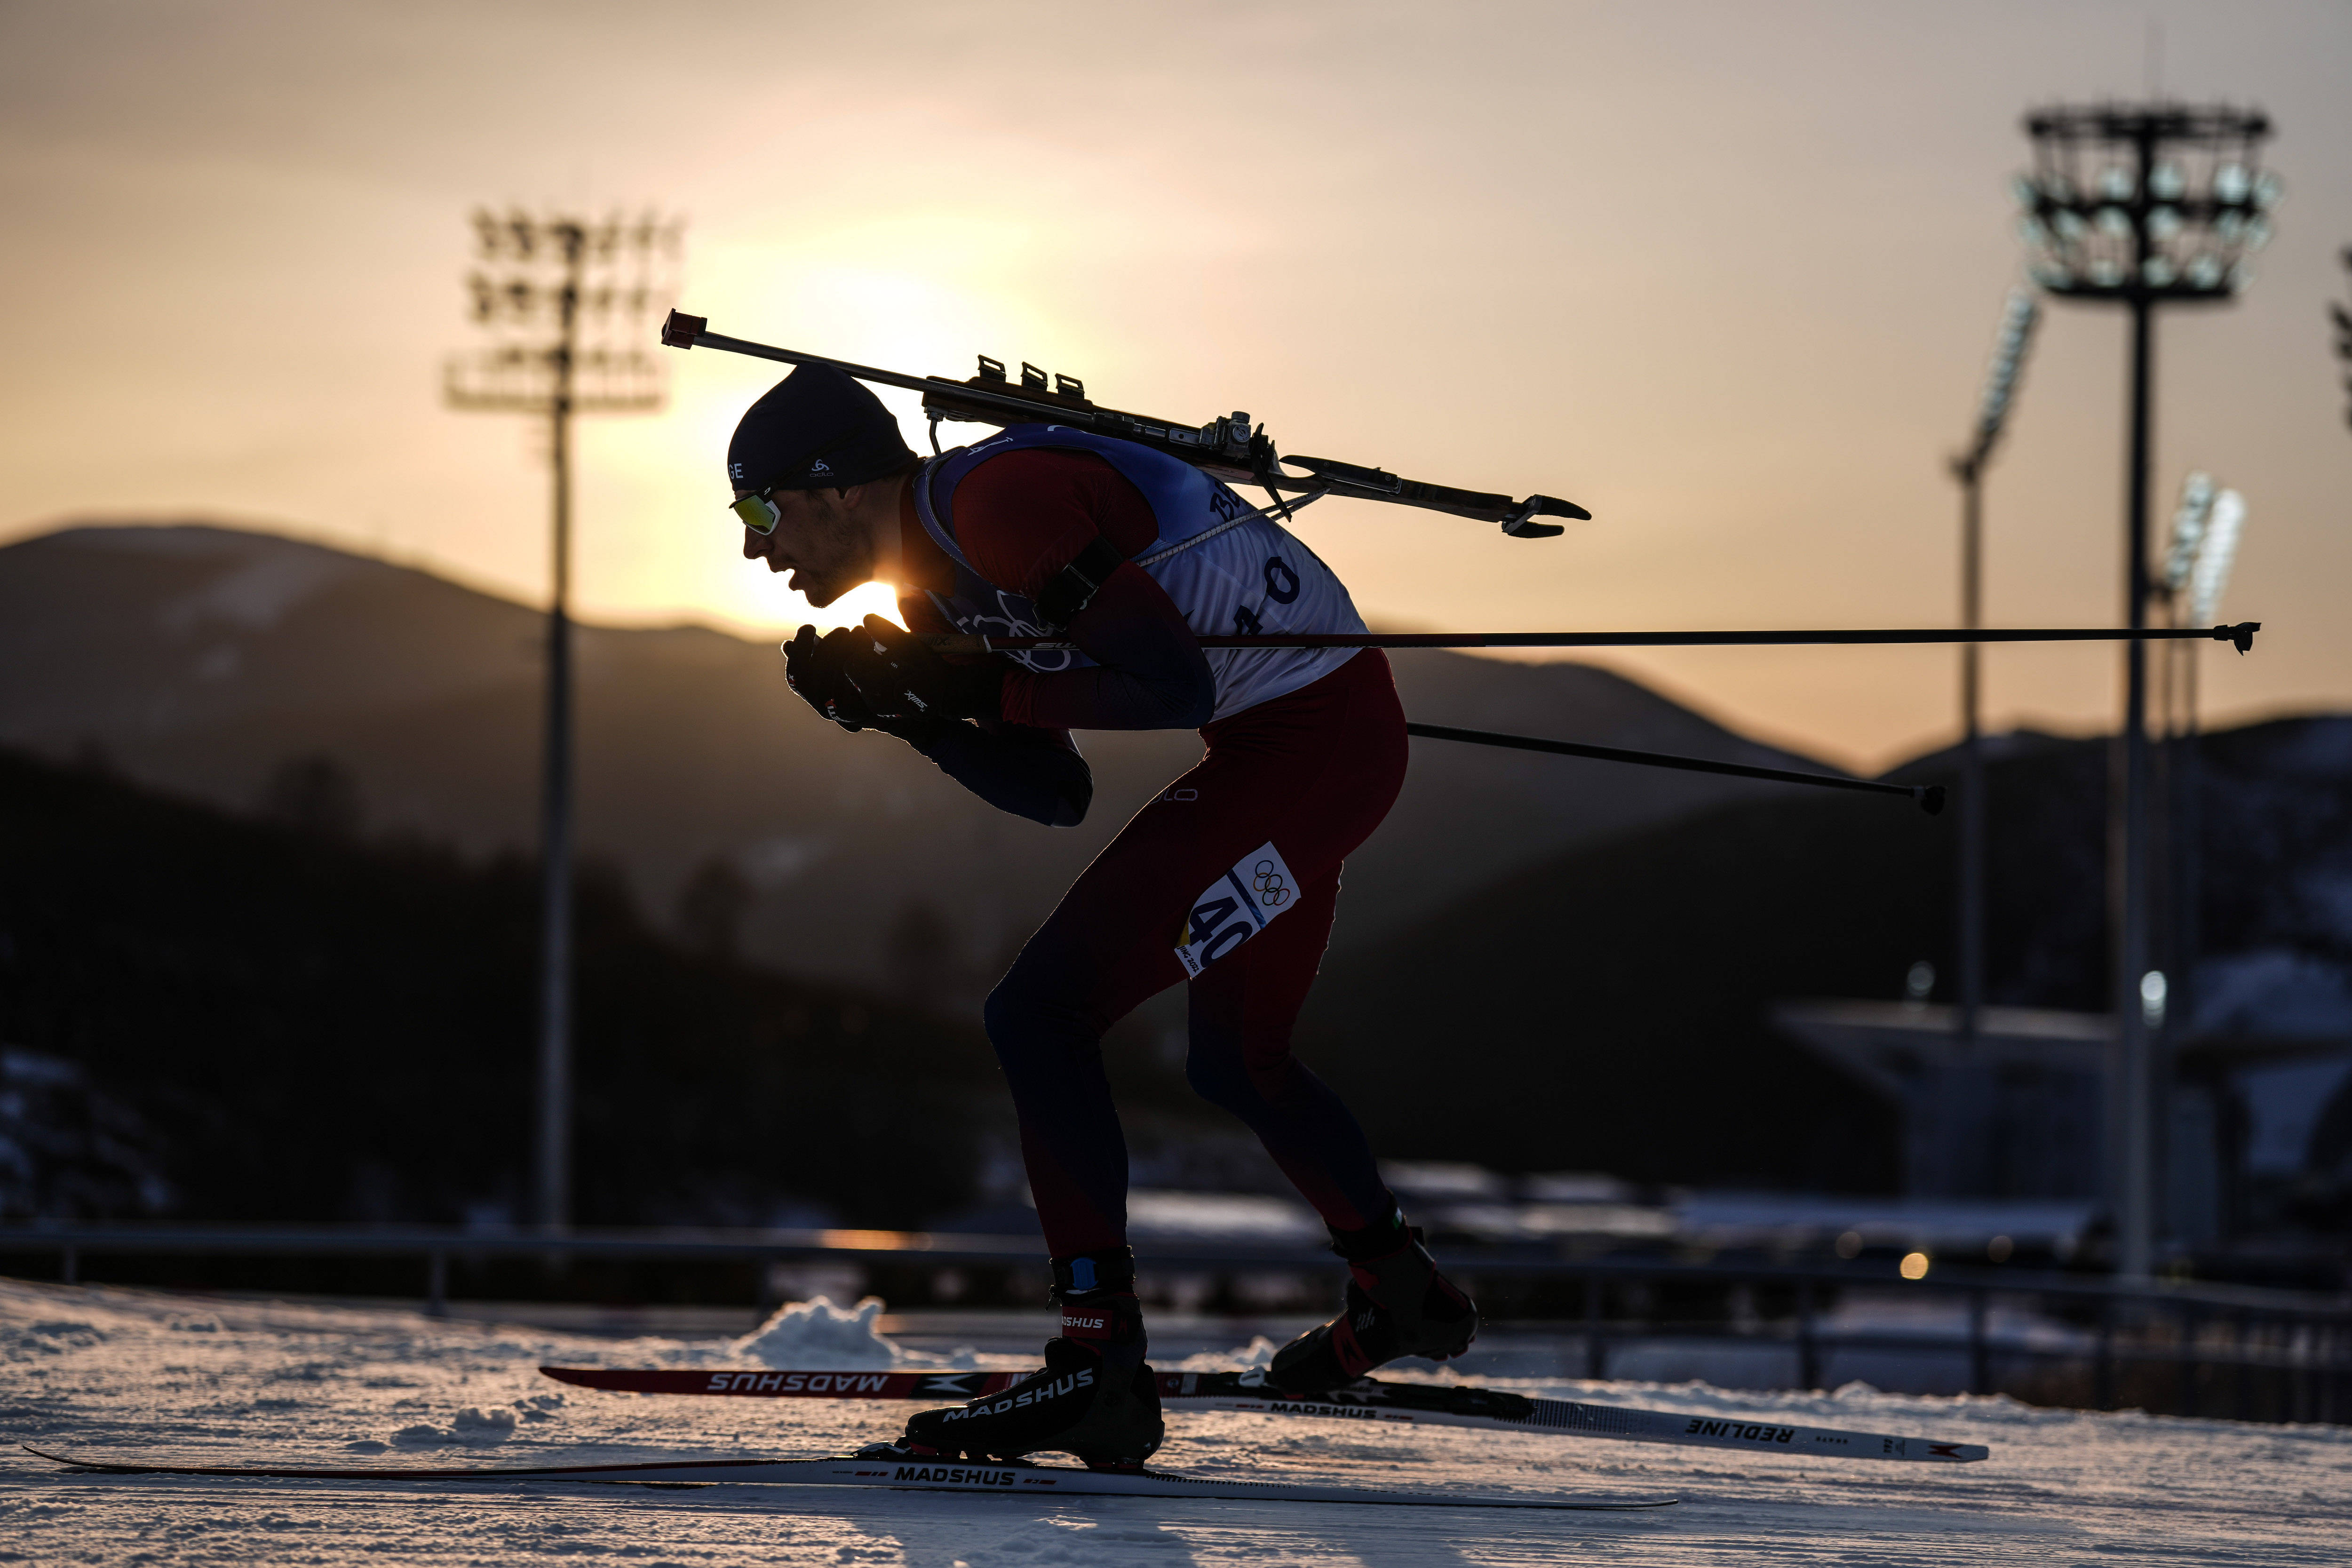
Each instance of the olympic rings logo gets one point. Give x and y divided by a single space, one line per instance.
1271 892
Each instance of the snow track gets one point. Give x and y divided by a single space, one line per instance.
97 1368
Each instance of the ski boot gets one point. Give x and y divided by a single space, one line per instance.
1398 1304
1096 1398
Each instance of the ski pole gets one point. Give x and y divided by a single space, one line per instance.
1930 797
2242 635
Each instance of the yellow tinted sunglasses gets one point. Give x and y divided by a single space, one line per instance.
758 513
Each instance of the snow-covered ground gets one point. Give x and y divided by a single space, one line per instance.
127 1372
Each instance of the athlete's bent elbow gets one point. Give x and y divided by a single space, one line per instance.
1070 806
1201 701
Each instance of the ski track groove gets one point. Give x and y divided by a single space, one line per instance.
101 1368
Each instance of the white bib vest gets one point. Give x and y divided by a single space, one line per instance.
1232 570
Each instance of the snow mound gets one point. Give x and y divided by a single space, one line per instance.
815 1335
54 1336
1258 1352
473 1427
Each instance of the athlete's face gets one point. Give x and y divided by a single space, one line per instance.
820 538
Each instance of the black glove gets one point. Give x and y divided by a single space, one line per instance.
813 668
818 668
899 678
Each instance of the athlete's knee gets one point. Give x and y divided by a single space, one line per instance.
1013 1011
1031 1015
1218 1074
1222 1083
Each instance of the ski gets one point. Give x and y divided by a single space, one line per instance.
1369 1399
882 1468
1500 1410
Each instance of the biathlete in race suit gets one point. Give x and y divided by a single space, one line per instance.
1228 881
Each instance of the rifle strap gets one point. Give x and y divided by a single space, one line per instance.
1073 588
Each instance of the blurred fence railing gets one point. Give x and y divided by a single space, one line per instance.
2235 1351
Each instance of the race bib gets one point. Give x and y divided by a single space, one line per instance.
1235 907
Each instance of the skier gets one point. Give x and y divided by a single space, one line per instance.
1228 880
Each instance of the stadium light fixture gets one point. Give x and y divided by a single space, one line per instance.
564 301
2217 552
2189 524
2141 205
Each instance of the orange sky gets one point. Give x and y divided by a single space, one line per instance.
1728 274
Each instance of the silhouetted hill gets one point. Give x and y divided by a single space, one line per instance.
201 659
235 1020
1605 1008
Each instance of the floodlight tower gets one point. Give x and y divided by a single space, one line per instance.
2141 206
565 301
1992 417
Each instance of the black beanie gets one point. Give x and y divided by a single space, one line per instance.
818 428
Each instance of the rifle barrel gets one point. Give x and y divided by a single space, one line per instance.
1225 449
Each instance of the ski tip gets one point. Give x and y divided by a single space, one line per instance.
69 1460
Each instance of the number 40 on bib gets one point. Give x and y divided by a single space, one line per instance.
1235 907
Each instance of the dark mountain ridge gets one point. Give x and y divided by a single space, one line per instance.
200 658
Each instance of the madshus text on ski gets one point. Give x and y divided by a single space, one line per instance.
1121 582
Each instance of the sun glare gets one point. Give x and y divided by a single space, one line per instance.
890 319
849 610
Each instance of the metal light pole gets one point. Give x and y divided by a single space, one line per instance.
2141 206
1992 415
568 311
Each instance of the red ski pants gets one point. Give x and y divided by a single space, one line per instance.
1309 774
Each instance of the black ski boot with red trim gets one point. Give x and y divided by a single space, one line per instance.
1398 1304
1096 1398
